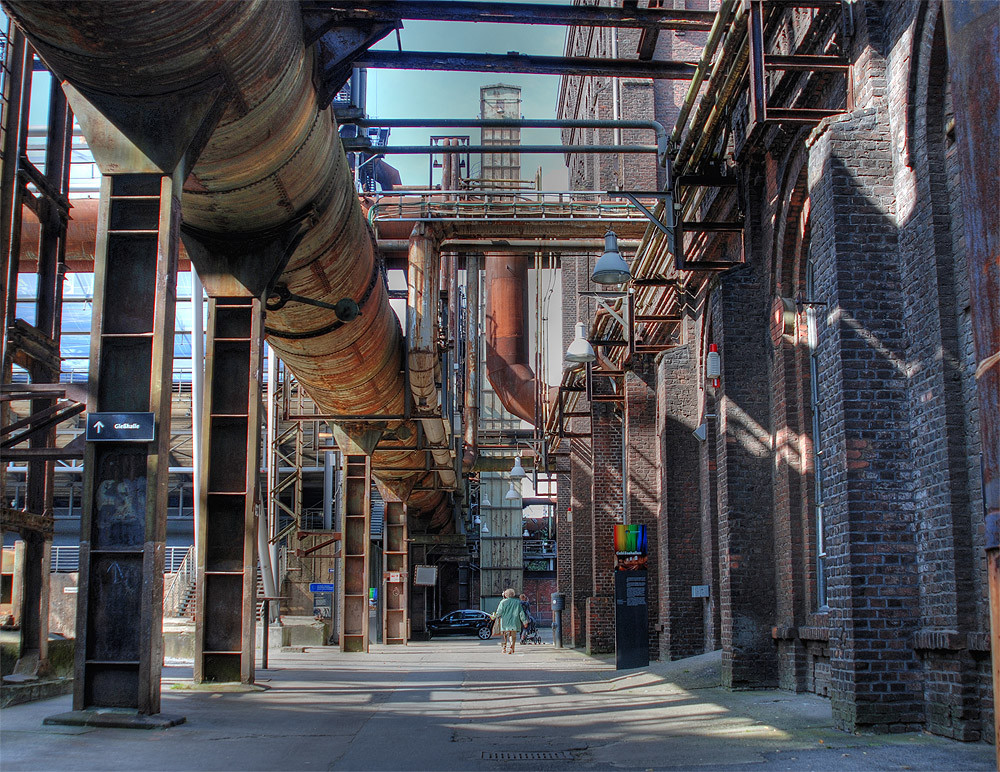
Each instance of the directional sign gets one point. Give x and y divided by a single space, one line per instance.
120 427
316 587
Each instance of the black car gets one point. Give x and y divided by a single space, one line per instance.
465 622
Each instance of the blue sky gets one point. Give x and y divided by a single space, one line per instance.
417 94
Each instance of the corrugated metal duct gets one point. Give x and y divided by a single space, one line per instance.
273 157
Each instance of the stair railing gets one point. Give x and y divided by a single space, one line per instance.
176 591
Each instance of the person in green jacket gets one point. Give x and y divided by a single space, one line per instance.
512 619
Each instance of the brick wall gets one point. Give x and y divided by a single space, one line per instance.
944 434
873 591
680 529
644 473
608 506
746 535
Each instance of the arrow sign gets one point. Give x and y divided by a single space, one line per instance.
120 427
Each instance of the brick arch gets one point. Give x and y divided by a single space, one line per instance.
929 158
791 426
792 229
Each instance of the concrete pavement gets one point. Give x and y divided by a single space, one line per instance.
459 704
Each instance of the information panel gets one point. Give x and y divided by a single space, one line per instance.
631 620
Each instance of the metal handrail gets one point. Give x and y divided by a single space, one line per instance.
178 584
498 205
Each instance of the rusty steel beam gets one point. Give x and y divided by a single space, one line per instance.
16 99
355 545
43 420
396 575
531 64
347 12
227 544
972 30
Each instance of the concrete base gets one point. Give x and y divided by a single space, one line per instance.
229 686
113 718
296 631
17 690
178 638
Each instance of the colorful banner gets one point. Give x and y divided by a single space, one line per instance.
630 539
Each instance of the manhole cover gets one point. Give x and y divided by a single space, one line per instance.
528 755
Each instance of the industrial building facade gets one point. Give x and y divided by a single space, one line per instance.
818 506
791 384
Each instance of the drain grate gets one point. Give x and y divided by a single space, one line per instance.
528 755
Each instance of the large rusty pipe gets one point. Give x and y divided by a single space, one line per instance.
273 157
507 333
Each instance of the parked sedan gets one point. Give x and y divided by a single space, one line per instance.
465 622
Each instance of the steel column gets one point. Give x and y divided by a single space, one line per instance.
353 588
227 551
34 615
395 576
119 639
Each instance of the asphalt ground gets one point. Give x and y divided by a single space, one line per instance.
459 704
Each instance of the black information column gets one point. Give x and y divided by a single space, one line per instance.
631 619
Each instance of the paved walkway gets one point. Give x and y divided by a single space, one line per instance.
459 704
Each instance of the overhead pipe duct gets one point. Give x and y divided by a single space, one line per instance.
423 279
273 163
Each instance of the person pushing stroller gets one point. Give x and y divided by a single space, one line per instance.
529 632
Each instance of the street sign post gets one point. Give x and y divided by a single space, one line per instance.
120 427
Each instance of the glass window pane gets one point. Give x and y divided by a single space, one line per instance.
79 285
25 311
76 317
26 285
182 344
75 345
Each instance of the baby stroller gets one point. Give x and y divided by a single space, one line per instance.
530 634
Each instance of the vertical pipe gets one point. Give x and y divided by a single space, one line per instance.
616 108
197 390
328 490
472 262
272 472
267 556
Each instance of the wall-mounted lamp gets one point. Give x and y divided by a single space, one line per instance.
580 349
611 268
477 520
512 492
713 364
701 432
517 472
485 502
525 534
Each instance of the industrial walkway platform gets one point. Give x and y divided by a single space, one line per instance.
459 704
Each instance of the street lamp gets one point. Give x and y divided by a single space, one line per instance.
580 349
611 268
